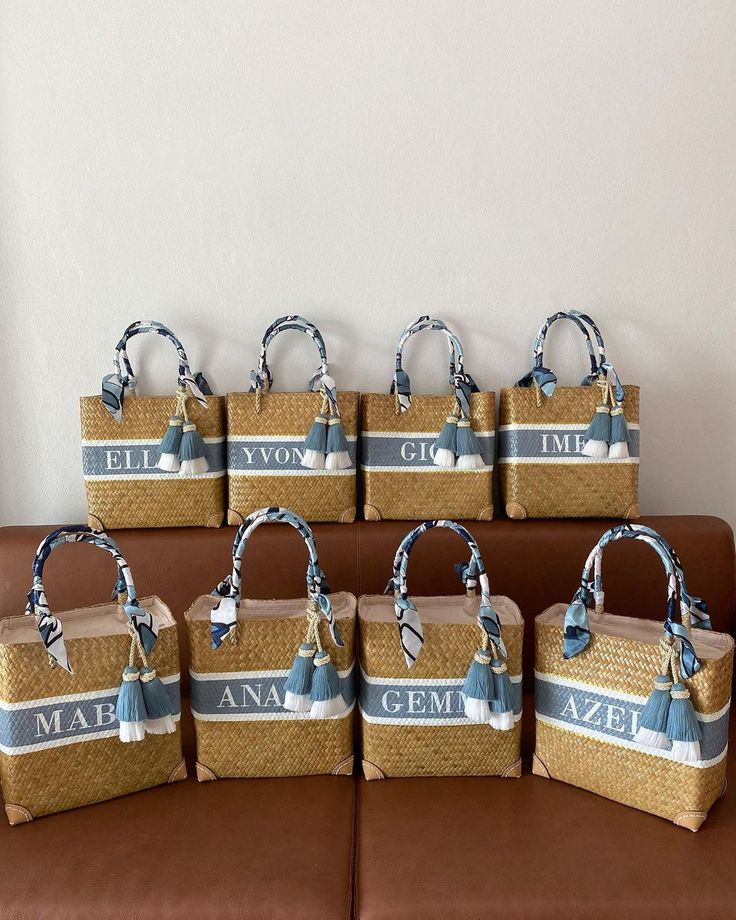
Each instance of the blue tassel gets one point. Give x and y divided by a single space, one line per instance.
159 710
502 707
467 447
327 700
683 728
652 731
619 438
130 709
598 434
338 455
478 688
299 682
315 444
170 445
446 444
192 453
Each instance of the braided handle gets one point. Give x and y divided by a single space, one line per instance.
262 379
577 633
462 383
49 627
224 614
411 633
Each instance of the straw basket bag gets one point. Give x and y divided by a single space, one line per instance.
446 719
61 731
570 451
153 461
628 710
428 456
267 698
292 449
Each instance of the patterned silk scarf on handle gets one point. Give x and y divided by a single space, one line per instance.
669 717
487 692
313 684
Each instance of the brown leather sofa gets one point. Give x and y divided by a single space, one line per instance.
337 847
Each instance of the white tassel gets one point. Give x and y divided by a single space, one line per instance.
651 739
313 460
328 709
503 721
166 725
297 702
686 751
469 462
477 710
618 451
444 458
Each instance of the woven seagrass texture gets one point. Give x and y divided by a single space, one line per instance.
661 787
278 747
405 494
436 750
70 775
433 750
171 501
637 778
286 747
584 489
98 661
629 666
315 495
60 778
447 651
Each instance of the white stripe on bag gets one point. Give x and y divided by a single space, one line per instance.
263 716
386 720
566 426
631 745
74 697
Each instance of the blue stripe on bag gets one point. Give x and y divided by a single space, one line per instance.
419 701
250 695
40 724
245 455
549 443
612 717
115 459
410 450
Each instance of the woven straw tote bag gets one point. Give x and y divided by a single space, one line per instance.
62 730
629 710
295 450
570 451
428 456
448 717
268 698
153 461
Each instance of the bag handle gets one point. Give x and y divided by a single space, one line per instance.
122 377
693 611
261 379
411 633
49 626
543 377
224 614
462 383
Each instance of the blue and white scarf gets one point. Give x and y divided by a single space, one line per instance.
49 626
225 612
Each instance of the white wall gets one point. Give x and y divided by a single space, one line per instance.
214 164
